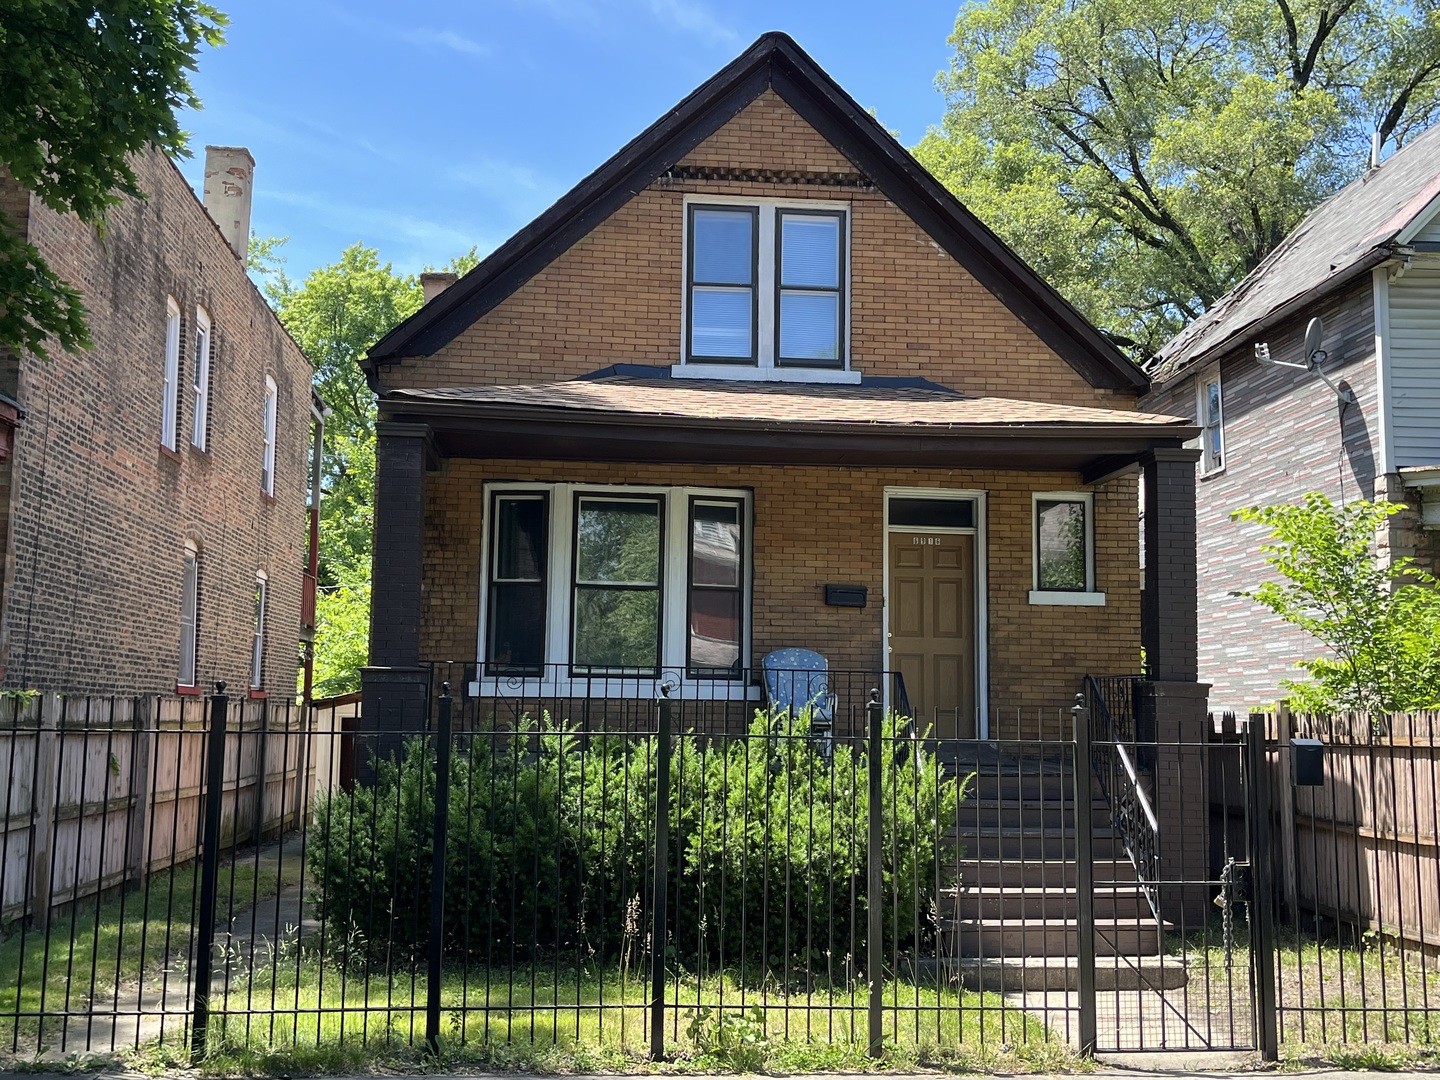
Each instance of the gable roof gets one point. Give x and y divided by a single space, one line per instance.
776 62
1354 230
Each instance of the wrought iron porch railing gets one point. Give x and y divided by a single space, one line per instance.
1115 759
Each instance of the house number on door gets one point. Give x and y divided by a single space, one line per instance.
927 541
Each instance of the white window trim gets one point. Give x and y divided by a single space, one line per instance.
674 578
1090 596
1208 467
200 424
982 586
189 594
170 400
764 368
267 473
257 651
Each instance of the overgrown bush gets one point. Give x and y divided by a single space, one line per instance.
550 844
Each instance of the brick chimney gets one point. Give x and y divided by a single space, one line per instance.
433 283
229 171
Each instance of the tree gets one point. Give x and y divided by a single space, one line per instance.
335 315
1144 155
1382 625
84 87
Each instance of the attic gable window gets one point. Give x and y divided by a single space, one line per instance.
766 290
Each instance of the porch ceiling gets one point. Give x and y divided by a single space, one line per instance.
778 424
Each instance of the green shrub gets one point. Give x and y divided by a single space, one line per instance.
550 841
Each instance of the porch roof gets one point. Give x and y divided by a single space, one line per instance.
909 422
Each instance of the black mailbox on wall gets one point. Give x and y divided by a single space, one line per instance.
845 595
1307 762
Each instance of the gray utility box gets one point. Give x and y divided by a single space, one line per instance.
1307 762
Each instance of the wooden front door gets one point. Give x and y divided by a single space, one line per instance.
932 628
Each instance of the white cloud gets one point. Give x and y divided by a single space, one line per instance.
694 18
688 16
448 39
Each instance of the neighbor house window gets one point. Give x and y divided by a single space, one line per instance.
257 650
170 400
267 465
1212 424
589 581
199 427
765 285
1064 549
189 615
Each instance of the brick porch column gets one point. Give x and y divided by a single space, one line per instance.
393 686
1172 708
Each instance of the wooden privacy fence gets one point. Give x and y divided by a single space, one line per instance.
1361 849
98 792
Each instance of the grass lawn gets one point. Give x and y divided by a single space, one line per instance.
92 949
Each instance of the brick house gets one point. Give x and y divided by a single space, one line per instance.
153 510
759 382
1367 264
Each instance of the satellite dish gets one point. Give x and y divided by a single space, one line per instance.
1314 336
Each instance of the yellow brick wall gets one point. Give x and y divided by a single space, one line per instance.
616 296
815 525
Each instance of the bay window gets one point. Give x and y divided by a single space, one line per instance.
587 581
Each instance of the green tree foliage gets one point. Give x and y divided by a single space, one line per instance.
1382 626
549 841
335 315
1144 155
83 87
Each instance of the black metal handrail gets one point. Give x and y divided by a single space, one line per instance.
1114 761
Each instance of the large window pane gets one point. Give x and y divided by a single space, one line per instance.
617 628
721 323
810 251
715 545
517 626
723 247
519 539
1060 545
619 543
715 630
809 326
516 609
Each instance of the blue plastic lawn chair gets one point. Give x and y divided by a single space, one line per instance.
797 680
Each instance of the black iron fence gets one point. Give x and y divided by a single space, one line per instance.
708 871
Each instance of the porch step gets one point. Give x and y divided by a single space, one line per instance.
1041 902
1060 973
982 813
1054 873
1038 842
1015 938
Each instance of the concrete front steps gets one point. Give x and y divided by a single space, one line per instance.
1012 921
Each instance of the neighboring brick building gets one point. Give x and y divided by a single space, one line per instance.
757 355
1367 263
145 510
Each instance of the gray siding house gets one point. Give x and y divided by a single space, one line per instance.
1367 263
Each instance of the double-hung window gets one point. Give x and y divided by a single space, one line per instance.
766 290
257 650
267 421
170 400
189 615
586 581
1064 549
200 425
1212 424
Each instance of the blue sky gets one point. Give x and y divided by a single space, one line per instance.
426 128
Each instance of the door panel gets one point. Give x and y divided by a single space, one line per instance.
932 628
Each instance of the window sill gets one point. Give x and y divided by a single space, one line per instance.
751 373
267 498
257 695
1213 474
1067 599
188 691
173 455
617 688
